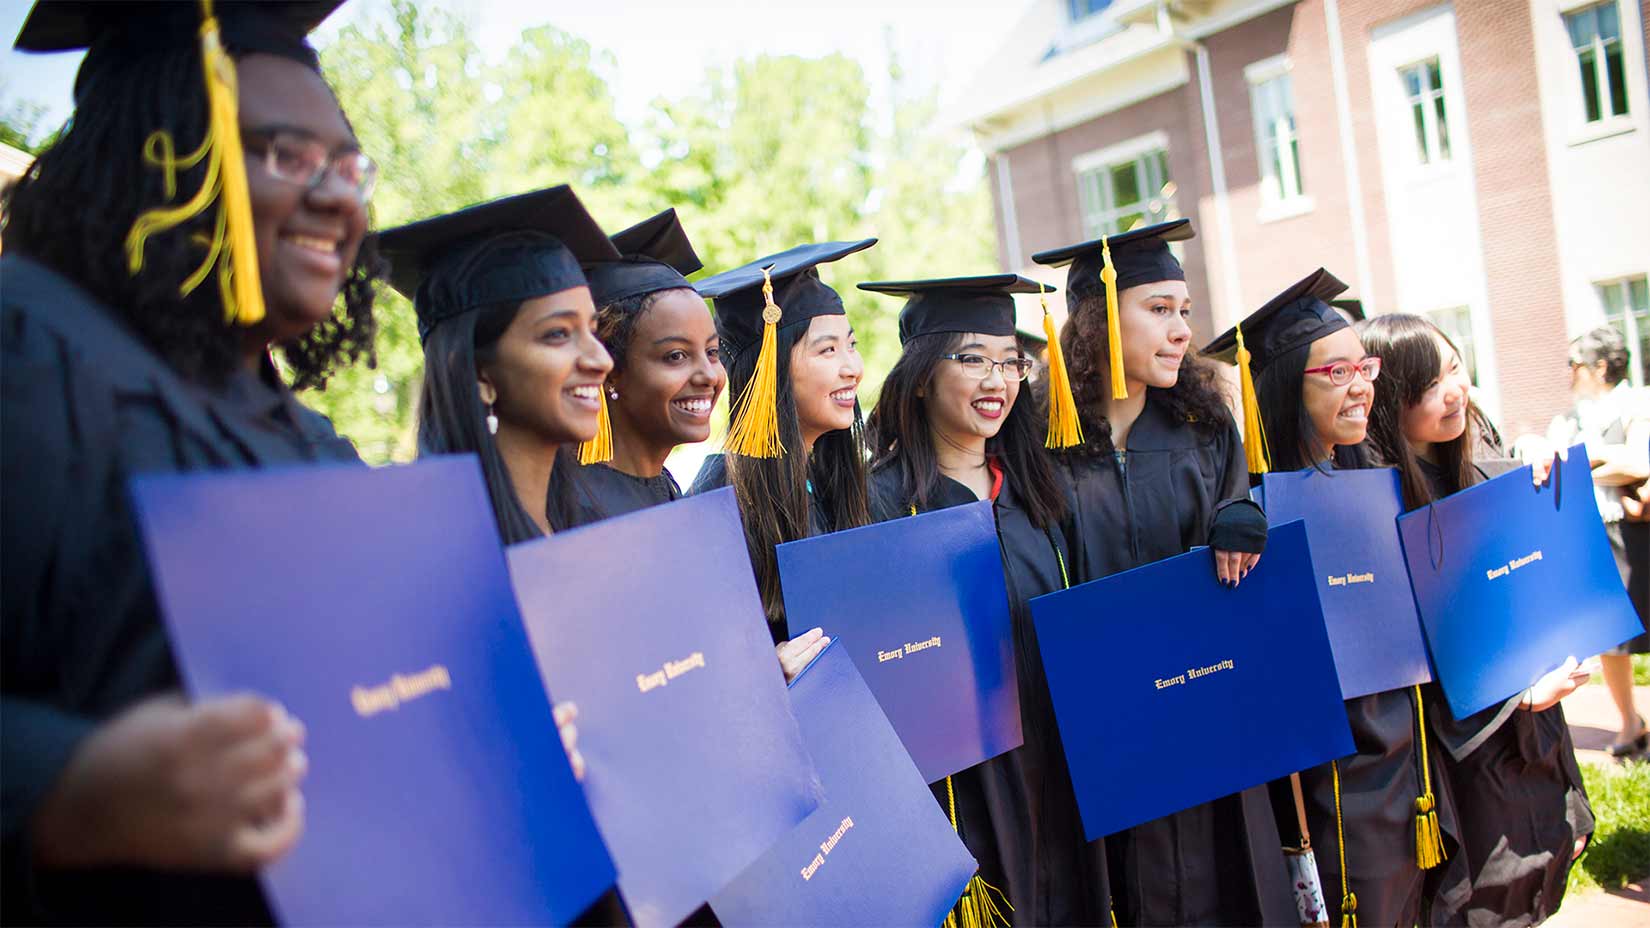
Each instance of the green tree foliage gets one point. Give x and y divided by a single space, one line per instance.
759 156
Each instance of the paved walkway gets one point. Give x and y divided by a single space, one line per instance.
1593 725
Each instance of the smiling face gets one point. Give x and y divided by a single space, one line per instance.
961 407
1440 415
307 238
1156 335
825 373
543 378
1339 415
673 372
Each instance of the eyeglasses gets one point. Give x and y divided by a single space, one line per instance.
299 159
979 367
1341 372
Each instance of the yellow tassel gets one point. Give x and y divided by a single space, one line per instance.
1114 326
976 908
1064 431
599 449
1349 899
233 250
755 429
1254 434
1429 838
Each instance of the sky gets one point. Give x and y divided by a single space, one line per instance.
661 46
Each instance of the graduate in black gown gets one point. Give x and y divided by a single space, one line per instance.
124 803
795 452
1161 470
1382 819
956 423
1523 811
667 371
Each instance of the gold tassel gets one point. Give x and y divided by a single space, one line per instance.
755 429
976 908
1114 326
233 249
1064 431
1349 899
599 450
1429 838
1254 434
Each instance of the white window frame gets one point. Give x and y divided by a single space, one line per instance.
1103 160
1281 196
1429 112
1635 362
1607 121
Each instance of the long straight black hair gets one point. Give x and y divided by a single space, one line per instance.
899 436
453 420
773 492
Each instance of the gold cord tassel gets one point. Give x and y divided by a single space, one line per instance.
755 429
1064 431
1429 839
233 249
1114 326
1349 899
599 449
1254 434
976 908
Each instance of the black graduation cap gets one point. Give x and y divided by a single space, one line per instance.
1141 256
1298 316
656 256
117 33
504 251
797 290
1352 308
957 304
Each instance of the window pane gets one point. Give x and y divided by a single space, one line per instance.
1129 221
1583 27
1419 110
1611 296
1125 184
1589 84
1443 130
1607 27
1295 168
1617 79
1639 290
1456 322
1412 81
1434 79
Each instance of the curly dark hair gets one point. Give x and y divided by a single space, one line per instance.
94 166
1196 398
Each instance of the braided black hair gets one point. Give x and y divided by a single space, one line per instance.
72 209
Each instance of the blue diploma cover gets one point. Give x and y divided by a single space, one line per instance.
879 851
375 605
1171 690
1511 579
1363 583
923 609
694 764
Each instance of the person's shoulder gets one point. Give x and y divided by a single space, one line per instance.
319 431
886 494
713 475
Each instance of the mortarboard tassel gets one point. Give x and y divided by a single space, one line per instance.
599 450
1429 842
755 429
1064 430
232 249
1254 434
1349 899
976 908
1114 326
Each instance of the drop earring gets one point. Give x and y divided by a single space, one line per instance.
492 421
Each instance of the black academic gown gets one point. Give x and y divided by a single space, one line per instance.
84 405
1520 801
1018 812
602 492
1220 863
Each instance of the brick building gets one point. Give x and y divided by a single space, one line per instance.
1486 162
